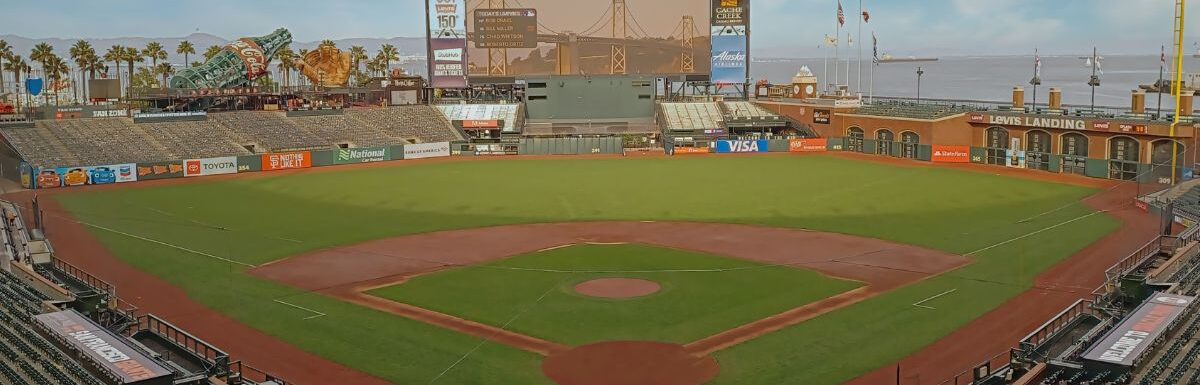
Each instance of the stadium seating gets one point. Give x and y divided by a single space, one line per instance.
511 114
29 358
745 110
691 116
418 124
913 110
104 141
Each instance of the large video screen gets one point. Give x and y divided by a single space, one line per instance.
545 37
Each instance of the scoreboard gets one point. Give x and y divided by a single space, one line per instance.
506 28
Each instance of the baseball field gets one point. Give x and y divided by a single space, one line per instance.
720 270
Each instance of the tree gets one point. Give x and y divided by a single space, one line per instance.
388 53
300 54
376 65
165 70
56 70
115 54
211 51
155 52
185 48
5 53
41 53
80 52
287 59
144 78
130 56
358 55
17 65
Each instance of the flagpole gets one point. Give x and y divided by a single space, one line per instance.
858 78
1162 63
837 55
825 78
849 43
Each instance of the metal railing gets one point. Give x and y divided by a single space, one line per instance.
217 361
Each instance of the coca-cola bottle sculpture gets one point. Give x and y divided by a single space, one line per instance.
238 65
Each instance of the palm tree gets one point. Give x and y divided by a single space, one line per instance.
211 51
165 70
130 56
185 48
155 52
41 53
327 42
388 53
358 54
56 69
80 52
16 64
286 58
115 54
300 54
375 66
5 53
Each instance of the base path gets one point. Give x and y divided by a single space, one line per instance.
346 272
999 330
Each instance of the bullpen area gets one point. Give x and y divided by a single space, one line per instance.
741 270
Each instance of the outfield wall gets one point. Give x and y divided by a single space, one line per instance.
57 177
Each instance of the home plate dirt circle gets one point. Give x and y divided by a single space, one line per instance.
629 363
617 288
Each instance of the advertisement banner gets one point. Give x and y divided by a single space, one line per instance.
426 150
689 150
821 116
26 175
286 161
362 155
448 43
159 170
210 166
741 146
1016 157
730 12
729 55
487 124
951 154
90 175
808 145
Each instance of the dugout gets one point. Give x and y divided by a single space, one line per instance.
1125 346
107 355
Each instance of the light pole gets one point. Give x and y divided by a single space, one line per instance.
1037 77
1094 81
919 73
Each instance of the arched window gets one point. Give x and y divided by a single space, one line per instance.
1161 160
1037 150
854 139
1074 150
1124 154
908 144
996 141
884 139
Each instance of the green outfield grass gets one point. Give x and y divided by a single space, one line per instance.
264 219
690 305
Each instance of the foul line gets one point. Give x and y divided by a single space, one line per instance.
317 314
1048 228
921 303
138 237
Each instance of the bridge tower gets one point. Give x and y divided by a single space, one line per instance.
688 32
620 30
497 57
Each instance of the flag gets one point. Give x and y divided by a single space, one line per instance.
874 48
831 41
1037 63
1162 59
849 40
866 17
841 15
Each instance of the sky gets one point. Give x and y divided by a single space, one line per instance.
780 28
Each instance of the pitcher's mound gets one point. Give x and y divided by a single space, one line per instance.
617 288
629 363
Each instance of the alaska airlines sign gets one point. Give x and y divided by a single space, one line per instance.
1041 122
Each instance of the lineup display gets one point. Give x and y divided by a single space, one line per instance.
505 28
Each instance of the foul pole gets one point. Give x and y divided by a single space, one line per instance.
1176 83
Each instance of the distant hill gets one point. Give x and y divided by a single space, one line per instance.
408 46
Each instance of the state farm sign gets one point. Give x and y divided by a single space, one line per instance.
210 166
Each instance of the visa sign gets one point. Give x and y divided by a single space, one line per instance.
741 146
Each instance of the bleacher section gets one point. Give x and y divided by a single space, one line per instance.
914 110
420 124
106 141
29 358
510 114
691 116
746 110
